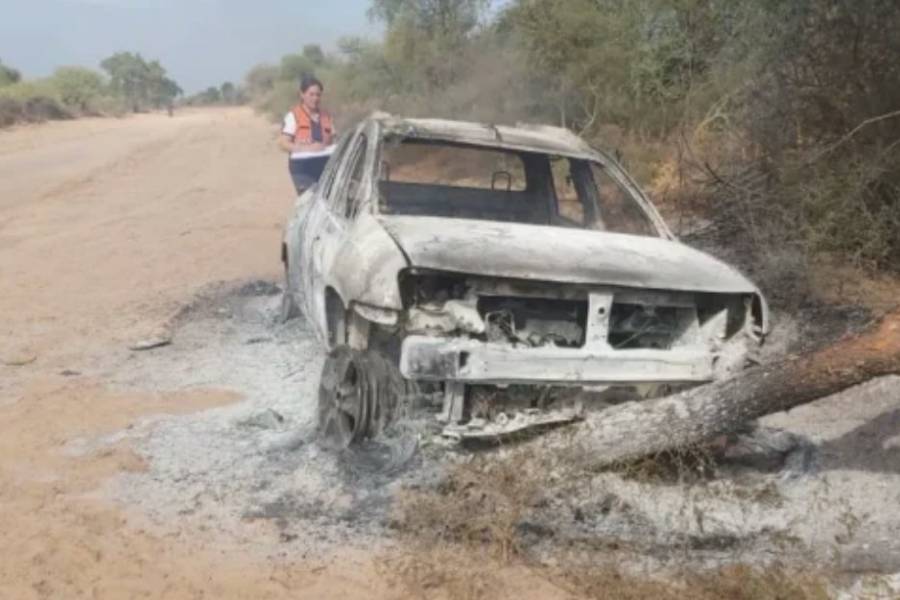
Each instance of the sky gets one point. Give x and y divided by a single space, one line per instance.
200 42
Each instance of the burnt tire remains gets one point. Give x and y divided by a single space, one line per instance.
360 395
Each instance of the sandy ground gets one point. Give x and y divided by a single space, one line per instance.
106 228
188 471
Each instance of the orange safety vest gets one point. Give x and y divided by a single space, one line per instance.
305 123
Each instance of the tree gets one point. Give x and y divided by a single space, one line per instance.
129 76
261 79
428 38
296 66
78 87
139 82
436 17
228 93
633 430
314 54
166 92
212 95
161 91
8 75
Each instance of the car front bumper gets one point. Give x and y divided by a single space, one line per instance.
425 358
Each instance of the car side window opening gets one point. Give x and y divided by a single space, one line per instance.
356 181
570 205
329 175
588 196
619 210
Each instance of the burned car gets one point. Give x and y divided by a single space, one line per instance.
466 257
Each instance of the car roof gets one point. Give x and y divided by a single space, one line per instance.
532 138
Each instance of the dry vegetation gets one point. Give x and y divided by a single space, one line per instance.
777 123
466 540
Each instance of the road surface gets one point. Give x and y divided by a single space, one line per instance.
106 227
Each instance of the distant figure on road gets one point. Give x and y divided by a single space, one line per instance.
307 135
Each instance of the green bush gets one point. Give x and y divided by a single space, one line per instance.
294 67
280 99
79 89
8 75
31 101
109 105
260 80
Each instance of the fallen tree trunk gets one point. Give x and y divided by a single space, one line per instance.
638 429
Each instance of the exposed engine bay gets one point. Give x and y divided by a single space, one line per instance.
477 333
552 315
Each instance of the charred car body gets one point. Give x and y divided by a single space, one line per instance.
467 256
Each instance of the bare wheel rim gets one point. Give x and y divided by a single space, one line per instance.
342 401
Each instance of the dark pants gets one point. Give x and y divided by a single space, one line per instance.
305 173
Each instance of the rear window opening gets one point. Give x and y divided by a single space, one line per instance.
445 179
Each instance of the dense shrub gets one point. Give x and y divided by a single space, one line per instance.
79 89
31 101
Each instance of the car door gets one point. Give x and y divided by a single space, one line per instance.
311 232
331 230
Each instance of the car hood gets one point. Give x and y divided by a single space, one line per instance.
537 252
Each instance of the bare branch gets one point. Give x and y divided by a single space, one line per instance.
851 133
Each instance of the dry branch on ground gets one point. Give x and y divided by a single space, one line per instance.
633 430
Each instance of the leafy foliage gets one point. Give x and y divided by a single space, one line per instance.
8 75
295 66
314 54
142 84
79 88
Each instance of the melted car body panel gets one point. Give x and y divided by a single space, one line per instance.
532 297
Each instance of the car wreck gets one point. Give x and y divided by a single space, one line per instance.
477 262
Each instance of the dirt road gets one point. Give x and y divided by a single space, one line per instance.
105 224
106 228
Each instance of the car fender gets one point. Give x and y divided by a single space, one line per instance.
290 238
365 269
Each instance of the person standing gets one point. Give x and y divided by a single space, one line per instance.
307 135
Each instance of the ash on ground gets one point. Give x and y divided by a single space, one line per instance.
818 484
256 461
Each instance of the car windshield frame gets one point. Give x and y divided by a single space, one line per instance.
616 173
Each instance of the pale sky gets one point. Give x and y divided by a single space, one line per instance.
200 42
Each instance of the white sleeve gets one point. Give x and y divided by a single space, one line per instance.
290 125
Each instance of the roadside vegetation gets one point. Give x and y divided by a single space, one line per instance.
776 123
127 83
228 94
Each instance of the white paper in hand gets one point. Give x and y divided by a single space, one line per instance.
327 151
